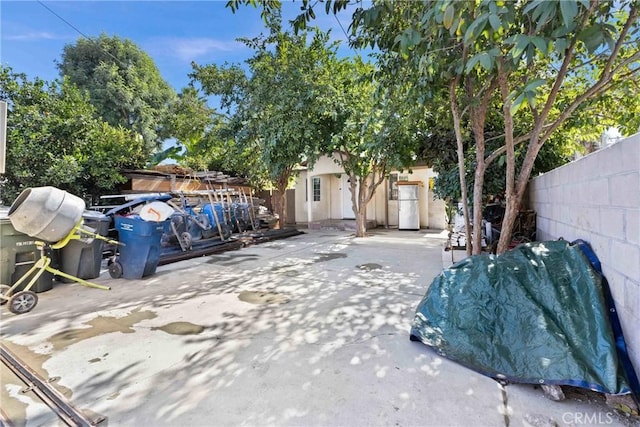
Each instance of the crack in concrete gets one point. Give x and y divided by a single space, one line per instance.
505 403
360 341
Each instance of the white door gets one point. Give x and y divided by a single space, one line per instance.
347 209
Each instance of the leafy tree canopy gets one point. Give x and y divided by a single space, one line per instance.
283 108
542 60
123 83
54 137
379 132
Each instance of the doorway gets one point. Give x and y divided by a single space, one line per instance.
347 206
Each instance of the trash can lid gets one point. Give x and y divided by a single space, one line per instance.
118 210
156 211
95 216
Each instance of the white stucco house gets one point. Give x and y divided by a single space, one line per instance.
322 193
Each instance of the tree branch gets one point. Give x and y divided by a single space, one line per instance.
562 72
497 152
631 19
603 82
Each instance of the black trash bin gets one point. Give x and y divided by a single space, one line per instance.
18 253
82 258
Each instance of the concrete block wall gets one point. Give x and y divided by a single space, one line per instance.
597 199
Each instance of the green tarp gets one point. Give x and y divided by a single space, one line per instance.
535 314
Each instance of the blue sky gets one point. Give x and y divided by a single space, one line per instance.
173 33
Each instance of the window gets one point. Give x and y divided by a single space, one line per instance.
393 184
316 189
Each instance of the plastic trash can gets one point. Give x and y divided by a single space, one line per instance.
18 253
140 254
220 214
82 258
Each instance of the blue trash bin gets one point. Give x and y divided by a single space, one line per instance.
221 216
140 254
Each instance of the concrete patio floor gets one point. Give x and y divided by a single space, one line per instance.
312 330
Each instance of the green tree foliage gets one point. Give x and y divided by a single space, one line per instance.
618 108
189 118
220 151
282 109
123 83
555 153
367 129
542 60
54 137
377 134
205 139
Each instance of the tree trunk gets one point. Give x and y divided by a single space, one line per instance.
280 201
457 127
279 204
478 120
520 186
365 192
361 221
359 208
512 202
508 222
477 202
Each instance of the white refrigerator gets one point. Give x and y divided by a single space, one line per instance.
408 207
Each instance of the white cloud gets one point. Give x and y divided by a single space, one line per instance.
34 35
190 49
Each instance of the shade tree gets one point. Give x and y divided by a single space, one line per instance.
530 56
123 83
280 107
55 137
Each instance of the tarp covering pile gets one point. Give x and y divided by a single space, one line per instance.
540 313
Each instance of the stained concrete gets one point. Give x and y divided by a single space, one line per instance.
311 330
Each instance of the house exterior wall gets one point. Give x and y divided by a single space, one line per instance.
597 199
392 215
301 196
423 196
321 209
326 165
379 209
432 211
372 207
436 215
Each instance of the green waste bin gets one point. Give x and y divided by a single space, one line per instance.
82 258
18 253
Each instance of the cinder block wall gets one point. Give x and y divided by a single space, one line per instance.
597 199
